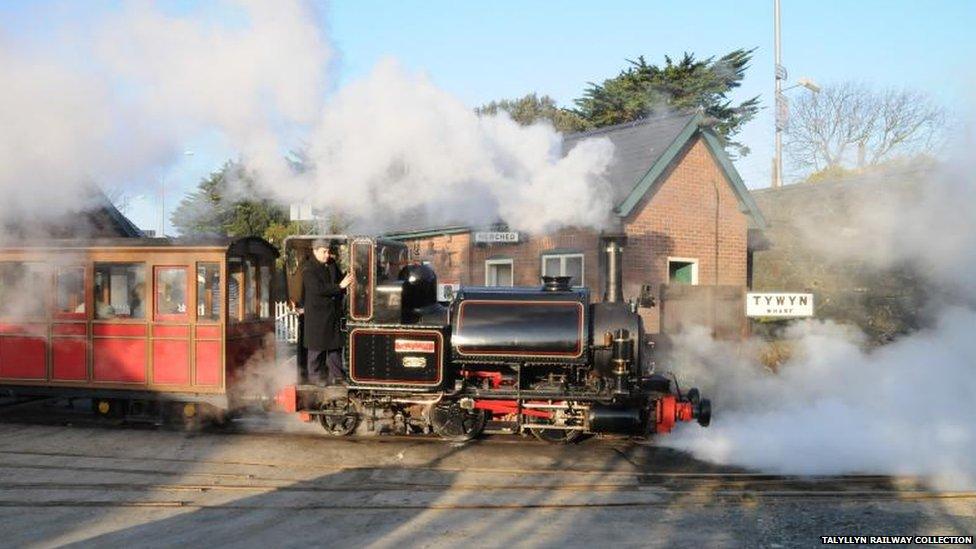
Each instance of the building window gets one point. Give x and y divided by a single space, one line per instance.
208 291
120 291
682 271
570 265
499 272
171 286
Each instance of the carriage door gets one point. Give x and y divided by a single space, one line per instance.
69 335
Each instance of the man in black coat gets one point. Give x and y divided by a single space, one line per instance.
323 287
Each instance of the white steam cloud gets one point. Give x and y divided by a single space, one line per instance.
394 143
837 406
114 100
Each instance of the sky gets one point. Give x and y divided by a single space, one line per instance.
479 51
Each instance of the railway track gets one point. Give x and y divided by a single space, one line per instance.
42 479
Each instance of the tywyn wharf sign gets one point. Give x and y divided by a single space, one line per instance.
779 304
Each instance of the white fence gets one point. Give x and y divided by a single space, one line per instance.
286 323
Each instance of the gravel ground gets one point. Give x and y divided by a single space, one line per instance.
66 479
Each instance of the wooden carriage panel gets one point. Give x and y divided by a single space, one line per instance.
119 360
209 332
23 357
69 359
75 329
34 329
209 363
171 362
164 331
119 330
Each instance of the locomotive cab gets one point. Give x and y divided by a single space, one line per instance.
379 286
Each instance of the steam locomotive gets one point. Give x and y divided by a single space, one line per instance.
542 361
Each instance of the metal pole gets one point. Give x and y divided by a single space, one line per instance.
162 207
780 76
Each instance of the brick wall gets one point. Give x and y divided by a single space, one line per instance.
680 221
447 254
527 256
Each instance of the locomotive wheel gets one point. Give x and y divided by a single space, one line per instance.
555 436
340 417
456 424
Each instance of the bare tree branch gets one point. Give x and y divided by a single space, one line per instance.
849 124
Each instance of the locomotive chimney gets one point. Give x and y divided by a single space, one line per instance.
556 283
613 245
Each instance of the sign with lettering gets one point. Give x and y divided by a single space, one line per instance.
779 304
413 346
495 237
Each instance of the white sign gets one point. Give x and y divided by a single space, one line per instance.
779 304
495 237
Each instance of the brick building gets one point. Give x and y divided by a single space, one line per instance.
678 199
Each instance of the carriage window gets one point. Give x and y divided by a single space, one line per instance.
235 282
23 290
251 288
171 293
265 291
120 290
70 292
208 291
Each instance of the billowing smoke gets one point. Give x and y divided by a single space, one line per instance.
393 145
114 100
837 404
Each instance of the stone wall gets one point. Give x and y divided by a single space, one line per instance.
805 222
